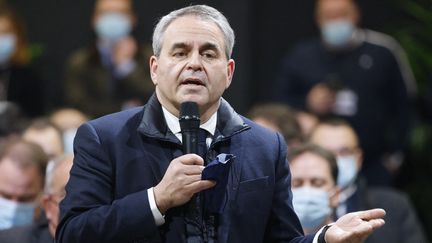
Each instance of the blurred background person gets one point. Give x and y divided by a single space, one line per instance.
113 73
68 120
280 118
12 121
43 230
44 133
402 224
313 178
358 74
22 172
18 83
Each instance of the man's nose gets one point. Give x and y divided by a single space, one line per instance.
195 62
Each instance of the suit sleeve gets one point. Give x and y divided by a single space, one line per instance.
284 223
90 212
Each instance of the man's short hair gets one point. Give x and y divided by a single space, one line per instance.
320 152
334 122
282 116
25 153
202 11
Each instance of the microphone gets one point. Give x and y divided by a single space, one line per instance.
189 124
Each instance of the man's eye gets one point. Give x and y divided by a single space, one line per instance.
209 55
179 54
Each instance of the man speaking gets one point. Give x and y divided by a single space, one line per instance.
132 182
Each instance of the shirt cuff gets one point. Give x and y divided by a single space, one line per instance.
317 235
158 217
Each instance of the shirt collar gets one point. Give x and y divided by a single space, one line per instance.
174 124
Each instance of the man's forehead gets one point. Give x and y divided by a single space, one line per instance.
113 5
310 164
192 28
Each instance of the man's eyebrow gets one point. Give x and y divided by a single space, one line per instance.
179 45
209 46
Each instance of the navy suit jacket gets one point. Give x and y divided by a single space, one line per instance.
119 156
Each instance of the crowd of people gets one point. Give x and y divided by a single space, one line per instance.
341 103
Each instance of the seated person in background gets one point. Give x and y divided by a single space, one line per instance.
12 121
280 118
113 73
313 180
68 120
43 230
47 135
18 83
22 172
402 224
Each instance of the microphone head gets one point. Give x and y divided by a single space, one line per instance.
189 115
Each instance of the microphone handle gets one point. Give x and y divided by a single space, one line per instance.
190 142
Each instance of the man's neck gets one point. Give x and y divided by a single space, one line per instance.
205 112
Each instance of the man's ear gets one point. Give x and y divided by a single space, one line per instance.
359 157
153 68
230 72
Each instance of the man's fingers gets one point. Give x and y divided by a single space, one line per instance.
191 159
201 185
193 169
371 214
376 223
191 179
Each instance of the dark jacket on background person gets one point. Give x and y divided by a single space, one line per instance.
35 233
402 224
92 87
376 71
24 88
119 156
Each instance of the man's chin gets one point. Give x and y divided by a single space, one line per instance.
201 101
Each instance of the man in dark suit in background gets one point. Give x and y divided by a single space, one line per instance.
130 181
402 222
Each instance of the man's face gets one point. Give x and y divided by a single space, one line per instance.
331 10
18 182
341 140
192 65
5 26
311 170
49 139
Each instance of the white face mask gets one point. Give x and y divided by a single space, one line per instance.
347 166
15 214
312 206
337 33
68 138
113 26
7 47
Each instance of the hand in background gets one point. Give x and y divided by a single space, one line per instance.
124 50
321 99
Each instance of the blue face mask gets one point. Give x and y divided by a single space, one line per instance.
7 47
312 206
347 166
15 214
337 33
113 26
